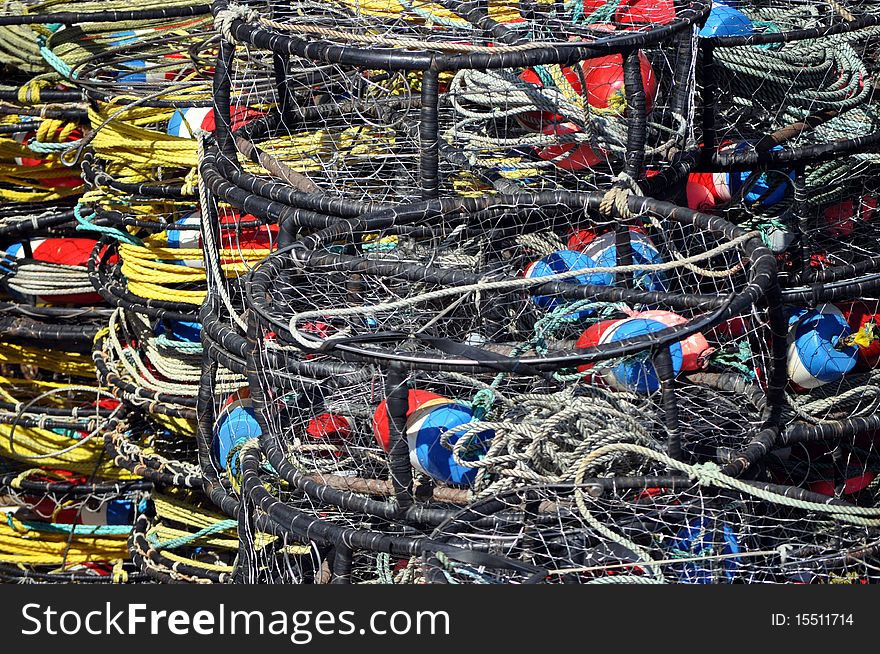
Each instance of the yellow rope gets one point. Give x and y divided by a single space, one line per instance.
125 142
420 11
31 441
195 563
41 548
120 576
183 512
32 387
164 533
179 511
179 426
151 272
68 363
34 472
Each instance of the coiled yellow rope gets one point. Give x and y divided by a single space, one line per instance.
67 363
41 548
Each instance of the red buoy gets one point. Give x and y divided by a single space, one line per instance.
604 79
594 335
605 87
642 13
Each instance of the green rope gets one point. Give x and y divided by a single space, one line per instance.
434 18
185 347
765 224
50 148
76 530
482 402
383 568
180 541
57 63
601 14
736 360
85 225
710 475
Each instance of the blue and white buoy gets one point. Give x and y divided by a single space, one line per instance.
603 250
185 123
816 355
188 239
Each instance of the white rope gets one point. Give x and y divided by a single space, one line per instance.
214 276
503 285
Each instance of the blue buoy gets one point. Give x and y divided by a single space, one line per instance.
725 20
564 261
185 331
637 373
236 424
424 429
764 190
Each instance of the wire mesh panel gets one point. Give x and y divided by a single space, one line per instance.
604 534
393 102
789 131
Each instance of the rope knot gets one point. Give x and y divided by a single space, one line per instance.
615 199
482 402
30 92
705 474
224 19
